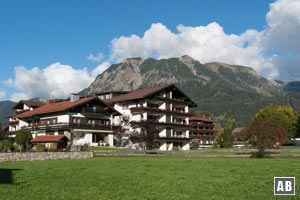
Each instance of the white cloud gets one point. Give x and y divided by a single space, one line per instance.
281 37
205 43
2 93
58 79
271 52
96 58
100 68
16 97
283 29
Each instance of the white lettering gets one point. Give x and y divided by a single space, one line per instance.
280 186
288 186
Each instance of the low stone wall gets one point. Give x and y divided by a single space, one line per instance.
7 157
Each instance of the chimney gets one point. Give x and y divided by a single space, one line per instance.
74 97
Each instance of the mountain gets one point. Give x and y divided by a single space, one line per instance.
218 88
293 93
6 110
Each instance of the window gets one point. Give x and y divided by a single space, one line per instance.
124 106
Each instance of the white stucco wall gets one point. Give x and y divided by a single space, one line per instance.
63 119
186 109
111 140
163 146
21 124
163 133
162 106
25 107
186 146
163 118
136 117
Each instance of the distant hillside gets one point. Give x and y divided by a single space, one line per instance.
293 94
6 110
221 89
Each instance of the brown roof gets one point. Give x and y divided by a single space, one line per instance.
48 138
55 107
143 93
136 94
200 119
29 103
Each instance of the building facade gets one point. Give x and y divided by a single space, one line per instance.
22 106
82 120
202 130
164 106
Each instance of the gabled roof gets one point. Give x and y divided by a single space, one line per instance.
136 94
112 92
200 119
29 103
142 93
48 138
59 106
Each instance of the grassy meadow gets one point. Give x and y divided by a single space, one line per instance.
145 178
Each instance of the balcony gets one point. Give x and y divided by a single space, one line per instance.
176 137
13 123
202 131
173 100
163 111
202 137
56 126
202 125
158 123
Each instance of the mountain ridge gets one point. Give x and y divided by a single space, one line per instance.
219 88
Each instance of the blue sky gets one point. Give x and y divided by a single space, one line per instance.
44 39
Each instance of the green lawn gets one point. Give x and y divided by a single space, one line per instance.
102 148
146 178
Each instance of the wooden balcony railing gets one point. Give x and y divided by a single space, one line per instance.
71 125
160 110
158 123
13 123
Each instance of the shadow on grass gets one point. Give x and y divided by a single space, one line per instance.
6 176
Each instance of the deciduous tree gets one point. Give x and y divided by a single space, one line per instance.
146 135
284 115
122 129
225 139
23 138
265 134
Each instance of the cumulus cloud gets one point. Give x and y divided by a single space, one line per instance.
283 29
273 52
2 93
281 37
266 51
96 58
100 68
15 97
57 80
205 43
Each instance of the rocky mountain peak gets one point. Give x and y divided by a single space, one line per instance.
133 61
219 88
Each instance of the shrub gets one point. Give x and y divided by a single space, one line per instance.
40 147
175 148
6 145
194 144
